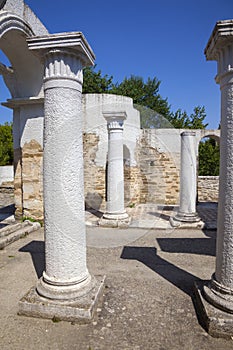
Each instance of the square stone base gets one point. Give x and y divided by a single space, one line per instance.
80 311
218 323
186 225
120 223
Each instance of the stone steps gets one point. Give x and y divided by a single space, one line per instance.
13 232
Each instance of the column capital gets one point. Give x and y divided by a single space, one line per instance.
64 55
75 41
115 120
188 133
220 48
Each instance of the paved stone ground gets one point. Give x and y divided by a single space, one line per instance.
157 216
148 301
148 298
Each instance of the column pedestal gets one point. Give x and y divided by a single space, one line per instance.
66 290
115 215
215 297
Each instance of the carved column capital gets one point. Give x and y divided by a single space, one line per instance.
115 120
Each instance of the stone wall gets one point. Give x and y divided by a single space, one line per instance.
32 188
6 174
94 176
151 156
208 188
159 172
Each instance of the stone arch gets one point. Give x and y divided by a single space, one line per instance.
10 21
24 79
25 76
214 134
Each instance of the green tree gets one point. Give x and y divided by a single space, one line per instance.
208 158
154 110
94 82
144 94
6 144
181 120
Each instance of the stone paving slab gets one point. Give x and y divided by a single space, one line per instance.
158 216
148 297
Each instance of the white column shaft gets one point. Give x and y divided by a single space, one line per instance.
65 239
188 174
224 256
188 179
115 182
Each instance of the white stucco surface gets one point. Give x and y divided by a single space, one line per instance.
6 173
94 106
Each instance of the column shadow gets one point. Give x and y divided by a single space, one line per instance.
173 274
37 251
200 246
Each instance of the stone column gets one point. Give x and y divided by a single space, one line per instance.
188 179
115 214
217 303
66 278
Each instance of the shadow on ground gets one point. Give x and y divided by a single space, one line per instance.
173 274
37 251
200 246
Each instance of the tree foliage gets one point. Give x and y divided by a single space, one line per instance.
6 144
146 94
94 82
181 120
208 158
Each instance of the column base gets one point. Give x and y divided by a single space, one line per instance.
217 322
184 220
80 310
121 220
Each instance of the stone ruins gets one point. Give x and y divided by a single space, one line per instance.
72 149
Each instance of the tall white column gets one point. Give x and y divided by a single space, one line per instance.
66 277
219 291
115 214
65 244
188 178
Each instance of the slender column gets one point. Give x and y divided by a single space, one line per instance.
66 277
188 179
216 296
115 212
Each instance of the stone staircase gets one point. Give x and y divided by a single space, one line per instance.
15 231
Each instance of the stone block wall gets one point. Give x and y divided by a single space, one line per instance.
159 174
208 187
151 156
32 187
94 176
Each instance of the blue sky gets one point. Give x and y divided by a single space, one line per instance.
148 38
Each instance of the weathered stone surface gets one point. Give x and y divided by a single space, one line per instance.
81 310
217 322
219 291
32 184
208 188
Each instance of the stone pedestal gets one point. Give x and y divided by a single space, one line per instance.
188 181
115 215
216 296
66 283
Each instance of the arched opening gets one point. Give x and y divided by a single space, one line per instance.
208 177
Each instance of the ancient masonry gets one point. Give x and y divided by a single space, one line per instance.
151 158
